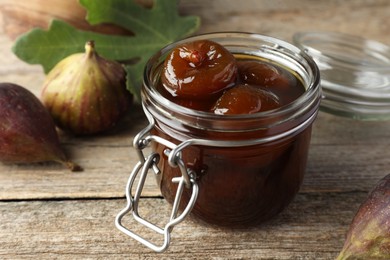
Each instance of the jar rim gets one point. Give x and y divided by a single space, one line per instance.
312 93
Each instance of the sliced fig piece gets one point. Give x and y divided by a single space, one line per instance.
27 131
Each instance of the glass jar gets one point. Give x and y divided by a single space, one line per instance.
355 73
229 170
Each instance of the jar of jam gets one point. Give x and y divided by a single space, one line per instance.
233 170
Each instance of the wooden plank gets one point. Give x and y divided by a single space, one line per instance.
47 212
334 130
107 162
277 18
345 155
282 19
313 227
342 149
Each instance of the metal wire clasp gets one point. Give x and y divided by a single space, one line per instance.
142 168
187 180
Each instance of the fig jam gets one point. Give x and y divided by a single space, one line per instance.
254 72
258 175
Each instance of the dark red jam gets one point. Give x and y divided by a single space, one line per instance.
238 186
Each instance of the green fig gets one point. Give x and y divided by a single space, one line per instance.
85 93
27 131
369 234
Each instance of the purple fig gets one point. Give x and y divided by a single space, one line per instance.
85 93
27 131
369 234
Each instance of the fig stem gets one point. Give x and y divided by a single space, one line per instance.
195 57
90 48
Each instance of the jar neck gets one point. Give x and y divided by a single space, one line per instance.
268 123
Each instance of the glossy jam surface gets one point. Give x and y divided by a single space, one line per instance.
238 186
203 75
197 70
245 99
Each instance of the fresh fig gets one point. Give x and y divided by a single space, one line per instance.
85 93
369 234
27 131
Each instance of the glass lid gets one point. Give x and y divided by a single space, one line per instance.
355 73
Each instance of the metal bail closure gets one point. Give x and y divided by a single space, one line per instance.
142 168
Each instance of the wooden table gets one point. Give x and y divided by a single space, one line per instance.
47 212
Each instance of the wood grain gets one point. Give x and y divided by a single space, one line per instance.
345 156
312 227
47 212
281 19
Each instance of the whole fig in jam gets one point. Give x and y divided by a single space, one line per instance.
85 93
198 70
245 99
27 131
262 74
204 75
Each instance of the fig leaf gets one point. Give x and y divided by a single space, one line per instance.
153 28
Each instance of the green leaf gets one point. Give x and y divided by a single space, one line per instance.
49 47
162 21
153 29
